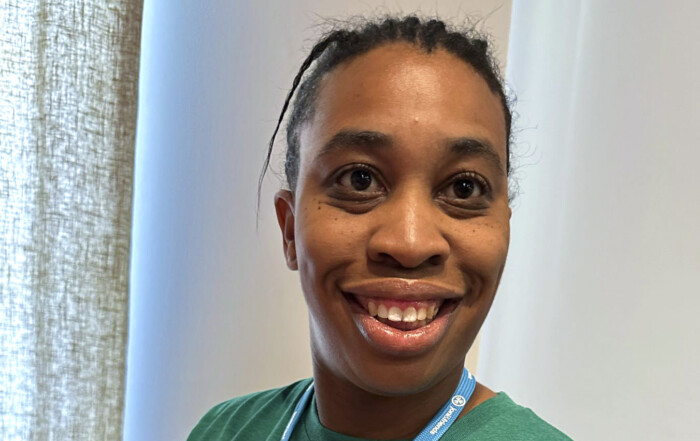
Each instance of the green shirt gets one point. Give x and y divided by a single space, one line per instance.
262 416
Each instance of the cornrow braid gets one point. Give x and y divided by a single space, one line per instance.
344 44
316 51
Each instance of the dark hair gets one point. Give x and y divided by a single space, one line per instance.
342 45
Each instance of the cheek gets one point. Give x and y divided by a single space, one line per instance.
328 243
327 240
482 248
482 252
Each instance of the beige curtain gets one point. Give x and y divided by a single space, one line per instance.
68 89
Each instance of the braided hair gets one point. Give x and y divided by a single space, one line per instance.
344 44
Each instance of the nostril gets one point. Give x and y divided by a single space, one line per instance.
388 259
436 260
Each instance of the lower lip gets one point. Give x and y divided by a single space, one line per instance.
393 341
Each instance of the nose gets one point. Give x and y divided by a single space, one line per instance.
408 234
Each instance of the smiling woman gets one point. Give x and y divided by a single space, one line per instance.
397 218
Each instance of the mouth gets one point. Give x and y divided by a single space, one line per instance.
402 317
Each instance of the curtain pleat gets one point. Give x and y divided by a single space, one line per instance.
68 97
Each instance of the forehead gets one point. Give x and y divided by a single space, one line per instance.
405 91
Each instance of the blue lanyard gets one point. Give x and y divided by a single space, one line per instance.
432 432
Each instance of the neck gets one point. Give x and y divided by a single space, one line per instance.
348 409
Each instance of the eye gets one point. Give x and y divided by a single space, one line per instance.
359 178
356 188
466 188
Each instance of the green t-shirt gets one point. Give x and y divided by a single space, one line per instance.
263 416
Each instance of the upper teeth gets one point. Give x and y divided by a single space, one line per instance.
395 314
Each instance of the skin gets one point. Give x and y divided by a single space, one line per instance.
408 224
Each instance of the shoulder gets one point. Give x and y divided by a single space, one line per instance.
255 402
258 414
500 418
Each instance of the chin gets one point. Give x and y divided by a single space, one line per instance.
388 376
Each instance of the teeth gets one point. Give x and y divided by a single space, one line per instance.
395 314
409 315
372 309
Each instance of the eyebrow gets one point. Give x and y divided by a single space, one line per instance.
475 147
462 146
356 138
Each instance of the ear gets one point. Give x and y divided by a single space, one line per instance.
284 206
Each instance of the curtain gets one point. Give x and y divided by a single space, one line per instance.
68 96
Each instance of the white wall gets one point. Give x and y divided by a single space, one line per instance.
596 324
214 311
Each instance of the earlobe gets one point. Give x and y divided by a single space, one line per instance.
284 207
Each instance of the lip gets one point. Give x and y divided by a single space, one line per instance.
389 340
402 289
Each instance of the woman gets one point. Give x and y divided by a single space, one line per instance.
397 219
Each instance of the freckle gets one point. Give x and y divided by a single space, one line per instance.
473 231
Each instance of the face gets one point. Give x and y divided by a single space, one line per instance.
399 224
